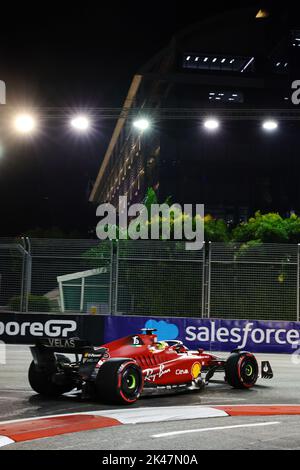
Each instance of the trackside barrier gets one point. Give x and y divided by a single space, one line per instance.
23 328
209 334
213 334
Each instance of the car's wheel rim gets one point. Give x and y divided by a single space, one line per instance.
131 381
249 371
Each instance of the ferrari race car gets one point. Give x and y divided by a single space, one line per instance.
120 371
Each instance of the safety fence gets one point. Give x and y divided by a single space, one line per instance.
150 278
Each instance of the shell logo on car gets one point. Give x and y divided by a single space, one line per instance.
196 369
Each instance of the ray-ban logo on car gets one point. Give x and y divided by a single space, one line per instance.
52 328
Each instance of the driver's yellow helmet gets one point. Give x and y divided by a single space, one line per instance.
161 345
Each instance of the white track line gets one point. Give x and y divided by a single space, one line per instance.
219 428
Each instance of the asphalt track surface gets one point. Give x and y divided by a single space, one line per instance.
18 401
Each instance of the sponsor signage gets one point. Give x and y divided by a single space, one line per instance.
209 334
213 334
23 328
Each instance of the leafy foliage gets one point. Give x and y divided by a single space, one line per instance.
215 230
268 228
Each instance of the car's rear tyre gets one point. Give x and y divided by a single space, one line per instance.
119 381
241 370
41 381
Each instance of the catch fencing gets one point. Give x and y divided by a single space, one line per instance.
150 278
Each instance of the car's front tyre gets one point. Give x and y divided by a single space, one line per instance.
241 370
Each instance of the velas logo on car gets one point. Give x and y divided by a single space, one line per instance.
51 328
61 343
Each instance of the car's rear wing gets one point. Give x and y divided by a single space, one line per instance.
43 352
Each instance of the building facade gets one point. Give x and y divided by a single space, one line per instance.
238 68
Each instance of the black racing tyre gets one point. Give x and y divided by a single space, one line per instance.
119 381
241 370
41 381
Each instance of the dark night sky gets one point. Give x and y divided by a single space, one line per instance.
73 55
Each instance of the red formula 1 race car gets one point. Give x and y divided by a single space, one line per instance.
120 371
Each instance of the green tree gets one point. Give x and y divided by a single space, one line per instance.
215 230
263 228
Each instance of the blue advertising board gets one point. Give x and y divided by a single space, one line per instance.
212 334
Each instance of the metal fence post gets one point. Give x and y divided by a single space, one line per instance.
23 278
111 278
28 274
117 280
298 280
203 283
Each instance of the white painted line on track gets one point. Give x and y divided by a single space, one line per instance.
218 428
5 441
211 402
7 398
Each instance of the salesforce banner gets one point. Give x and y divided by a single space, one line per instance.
209 334
212 334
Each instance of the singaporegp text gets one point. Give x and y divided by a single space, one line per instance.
52 328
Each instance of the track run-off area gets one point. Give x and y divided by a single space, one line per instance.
218 417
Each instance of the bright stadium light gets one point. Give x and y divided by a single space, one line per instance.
211 124
80 123
24 123
270 125
141 124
